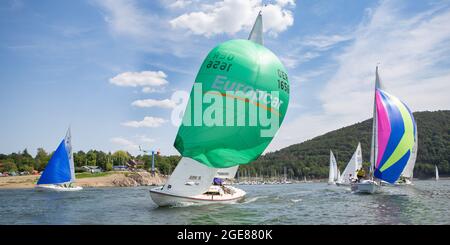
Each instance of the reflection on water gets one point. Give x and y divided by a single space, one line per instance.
427 202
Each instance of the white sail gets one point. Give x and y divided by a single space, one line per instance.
68 145
352 166
332 176
226 173
189 178
437 173
256 35
338 175
409 168
374 143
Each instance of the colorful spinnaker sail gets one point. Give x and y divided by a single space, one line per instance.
238 102
60 169
394 135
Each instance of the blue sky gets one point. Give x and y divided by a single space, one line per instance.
83 63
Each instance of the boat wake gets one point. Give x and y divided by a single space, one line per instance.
253 199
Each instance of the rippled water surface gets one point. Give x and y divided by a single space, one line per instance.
427 202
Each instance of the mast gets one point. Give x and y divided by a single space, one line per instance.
374 144
68 142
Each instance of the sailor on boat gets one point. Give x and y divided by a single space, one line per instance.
361 174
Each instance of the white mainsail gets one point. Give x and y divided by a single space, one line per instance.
189 178
409 168
333 174
226 173
352 167
437 172
374 143
68 145
256 35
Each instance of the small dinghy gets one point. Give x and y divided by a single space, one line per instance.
59 174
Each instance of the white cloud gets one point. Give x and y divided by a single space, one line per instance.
144 78
221 17
149 90
324 42
147 122
125 143
145 139
414 52
178 4
126 18
283 3
294 58
166 103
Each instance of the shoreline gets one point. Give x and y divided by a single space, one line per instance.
119 179
111 179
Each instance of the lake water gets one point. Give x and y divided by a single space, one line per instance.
427 202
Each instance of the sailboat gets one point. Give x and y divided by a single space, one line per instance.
333 174
349 174
59 174
393 138
437 172
234 76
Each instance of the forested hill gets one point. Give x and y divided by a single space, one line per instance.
311 158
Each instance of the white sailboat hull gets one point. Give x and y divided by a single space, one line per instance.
366 187
57 188
342 184
162 198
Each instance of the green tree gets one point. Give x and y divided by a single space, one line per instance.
91 158
120 157
101 159
41 159
8 166
79 158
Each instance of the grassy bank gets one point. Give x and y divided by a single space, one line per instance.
91 175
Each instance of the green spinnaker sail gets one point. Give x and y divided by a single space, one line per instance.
245 95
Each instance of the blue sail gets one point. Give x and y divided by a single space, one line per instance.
58 169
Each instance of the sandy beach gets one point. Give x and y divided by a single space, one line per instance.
119 179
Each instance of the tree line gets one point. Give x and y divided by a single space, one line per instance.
23 161
308 159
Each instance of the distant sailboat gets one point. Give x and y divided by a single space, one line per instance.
437 172
355 163
333 174
393 138
59 174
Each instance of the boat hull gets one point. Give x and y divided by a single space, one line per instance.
57 188
366 187
342 184
162 198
